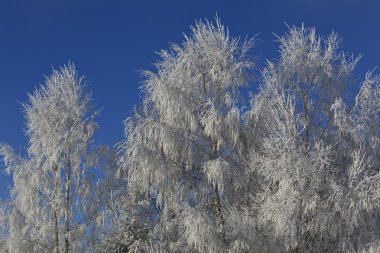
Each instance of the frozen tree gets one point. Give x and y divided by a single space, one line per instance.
124 228
198 171
128 230
54 194
25 229
182 147
311 69
317 164
290 179
356 196
298 172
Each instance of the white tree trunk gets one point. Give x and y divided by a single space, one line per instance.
67 211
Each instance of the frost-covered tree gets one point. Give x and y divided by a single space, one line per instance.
291 180
182 147
298 172
313 70
356 195
316 164
123 227
198 171
55 197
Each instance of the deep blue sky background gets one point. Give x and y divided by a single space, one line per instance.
111 40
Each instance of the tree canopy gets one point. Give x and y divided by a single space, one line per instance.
199 169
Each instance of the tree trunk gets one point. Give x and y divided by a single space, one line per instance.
307 121
218 211
301 232
67 211
217 203
56 232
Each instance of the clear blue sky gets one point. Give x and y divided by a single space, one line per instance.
111 40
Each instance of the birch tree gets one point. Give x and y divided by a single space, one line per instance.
315 158
54 191
355 197
182 144
313 70
198 171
